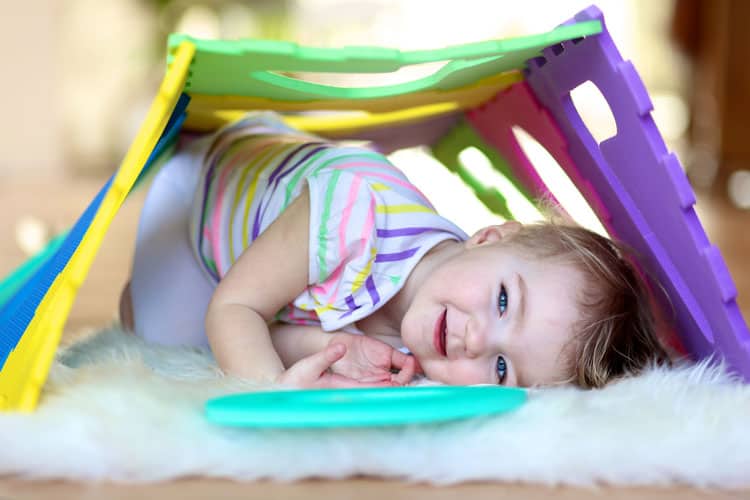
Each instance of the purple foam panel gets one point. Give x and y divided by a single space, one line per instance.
517 107
645 191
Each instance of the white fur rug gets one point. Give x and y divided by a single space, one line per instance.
115 408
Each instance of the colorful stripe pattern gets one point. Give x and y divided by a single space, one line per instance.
369 225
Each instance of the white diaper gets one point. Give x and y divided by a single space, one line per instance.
170 291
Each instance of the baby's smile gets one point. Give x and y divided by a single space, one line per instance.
440 330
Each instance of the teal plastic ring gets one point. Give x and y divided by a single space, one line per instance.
369 407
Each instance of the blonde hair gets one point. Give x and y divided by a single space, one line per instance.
616 334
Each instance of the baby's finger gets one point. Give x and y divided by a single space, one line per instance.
312 367
398 358
406 363
407 372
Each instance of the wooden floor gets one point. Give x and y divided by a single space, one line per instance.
360 489
57 205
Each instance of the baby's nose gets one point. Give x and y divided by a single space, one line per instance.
474 339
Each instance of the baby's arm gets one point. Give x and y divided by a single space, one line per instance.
269 274
294 342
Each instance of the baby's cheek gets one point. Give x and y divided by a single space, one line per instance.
461 372
429 369
440 372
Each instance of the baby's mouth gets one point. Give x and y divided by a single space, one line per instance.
439 339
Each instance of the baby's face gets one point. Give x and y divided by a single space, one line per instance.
495 315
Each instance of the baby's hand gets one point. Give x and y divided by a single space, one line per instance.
315 372
372 361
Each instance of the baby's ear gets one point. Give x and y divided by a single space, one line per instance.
491 234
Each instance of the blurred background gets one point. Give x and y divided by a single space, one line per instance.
79 75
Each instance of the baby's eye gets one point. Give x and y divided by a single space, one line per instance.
502 370
502 301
